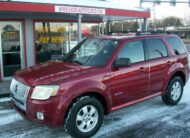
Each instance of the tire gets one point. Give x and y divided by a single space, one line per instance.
174 91
84 118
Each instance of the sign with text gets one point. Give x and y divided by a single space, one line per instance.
79 10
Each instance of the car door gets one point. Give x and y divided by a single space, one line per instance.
130 83
159 62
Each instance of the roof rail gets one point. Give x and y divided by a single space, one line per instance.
152 33
139 33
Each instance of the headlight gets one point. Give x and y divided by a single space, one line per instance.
44 92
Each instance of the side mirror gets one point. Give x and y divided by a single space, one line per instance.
123 62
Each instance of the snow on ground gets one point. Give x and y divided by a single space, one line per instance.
186 94
8 117
148 119
7 99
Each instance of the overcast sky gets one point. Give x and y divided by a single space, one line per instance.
163 10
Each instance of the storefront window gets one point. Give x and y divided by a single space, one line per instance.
74 35
55 39
51 40
89 29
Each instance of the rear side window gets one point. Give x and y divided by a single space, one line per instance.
156 48
134 51
176 44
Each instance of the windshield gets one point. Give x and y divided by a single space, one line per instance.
92 52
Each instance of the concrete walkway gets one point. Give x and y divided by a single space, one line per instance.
4 87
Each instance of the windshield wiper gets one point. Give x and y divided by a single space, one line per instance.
64 59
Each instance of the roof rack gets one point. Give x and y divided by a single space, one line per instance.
138 33
151 33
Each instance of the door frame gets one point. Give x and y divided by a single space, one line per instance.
22 48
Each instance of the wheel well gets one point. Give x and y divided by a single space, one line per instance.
180 74
91 94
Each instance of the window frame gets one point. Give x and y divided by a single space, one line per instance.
148 52
182 45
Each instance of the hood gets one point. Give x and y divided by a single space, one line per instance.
50 73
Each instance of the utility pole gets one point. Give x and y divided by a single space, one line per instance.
140 20
154 4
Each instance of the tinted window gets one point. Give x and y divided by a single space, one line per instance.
134 51
176 44
156 48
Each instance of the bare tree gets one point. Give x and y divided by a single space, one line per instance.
171 21
167 22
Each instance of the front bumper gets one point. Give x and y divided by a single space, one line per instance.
54 110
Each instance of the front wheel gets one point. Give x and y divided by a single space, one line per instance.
84 118
174 91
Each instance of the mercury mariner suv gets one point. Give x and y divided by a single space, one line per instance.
99 76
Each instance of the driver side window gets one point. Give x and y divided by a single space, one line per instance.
133 51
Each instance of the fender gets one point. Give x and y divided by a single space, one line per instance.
87 86
177 67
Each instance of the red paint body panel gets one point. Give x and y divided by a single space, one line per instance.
158 72
53 117
129 83
136 101
118 87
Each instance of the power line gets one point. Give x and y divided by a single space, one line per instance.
172 2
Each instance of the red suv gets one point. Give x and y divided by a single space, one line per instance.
99 76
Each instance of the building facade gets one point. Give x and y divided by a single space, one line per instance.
34 31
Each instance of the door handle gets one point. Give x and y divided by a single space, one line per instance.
169 62
143 69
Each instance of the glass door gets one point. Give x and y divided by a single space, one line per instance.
11 47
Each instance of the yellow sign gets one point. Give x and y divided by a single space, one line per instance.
56 35
54 39
10 35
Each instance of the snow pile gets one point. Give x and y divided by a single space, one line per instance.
9 116
186 93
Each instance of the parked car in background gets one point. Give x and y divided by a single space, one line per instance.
99 76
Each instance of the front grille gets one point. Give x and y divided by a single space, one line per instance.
19 93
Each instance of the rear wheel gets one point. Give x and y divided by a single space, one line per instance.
84 118
174 91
